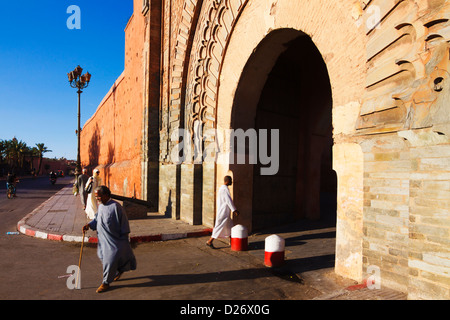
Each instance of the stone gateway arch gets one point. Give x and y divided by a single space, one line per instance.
347 101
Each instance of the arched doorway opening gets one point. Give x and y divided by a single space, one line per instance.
285 87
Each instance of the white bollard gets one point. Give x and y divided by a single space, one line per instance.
239 238
274 251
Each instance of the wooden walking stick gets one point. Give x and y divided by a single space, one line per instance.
79 261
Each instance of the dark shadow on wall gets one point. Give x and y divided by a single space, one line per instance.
109 163
94 148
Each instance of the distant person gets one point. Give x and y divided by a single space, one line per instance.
223 225
11 180
114 249
91 202
81 185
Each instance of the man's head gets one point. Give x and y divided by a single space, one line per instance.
227 180
102 194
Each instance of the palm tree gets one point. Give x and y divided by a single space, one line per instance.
2 150
41 148
13 148
22 151
34 152
2 157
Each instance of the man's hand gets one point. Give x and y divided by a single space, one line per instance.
235 214
85 227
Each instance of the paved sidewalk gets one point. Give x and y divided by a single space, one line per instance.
309 246
62 217
309 259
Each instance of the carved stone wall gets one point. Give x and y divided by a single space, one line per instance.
194 47
214 28
401 109
403 129
407 62
198 44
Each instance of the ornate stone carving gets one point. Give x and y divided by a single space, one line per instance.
213 30
407 59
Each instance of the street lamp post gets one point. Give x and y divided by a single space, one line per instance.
79 81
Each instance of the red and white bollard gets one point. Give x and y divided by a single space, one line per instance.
239 238
274 251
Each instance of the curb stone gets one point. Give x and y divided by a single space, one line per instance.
25 229
28 230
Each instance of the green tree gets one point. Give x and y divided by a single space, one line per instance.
34 152
41 149
23 150
2 150
14 150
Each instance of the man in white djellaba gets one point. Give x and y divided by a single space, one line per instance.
91 201
222 228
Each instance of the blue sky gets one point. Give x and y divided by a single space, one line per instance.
37 50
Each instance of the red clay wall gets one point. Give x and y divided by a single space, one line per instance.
111 138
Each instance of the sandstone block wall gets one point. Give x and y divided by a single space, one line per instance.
403 132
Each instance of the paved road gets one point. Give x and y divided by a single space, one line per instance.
180 269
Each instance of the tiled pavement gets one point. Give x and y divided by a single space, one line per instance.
62 218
